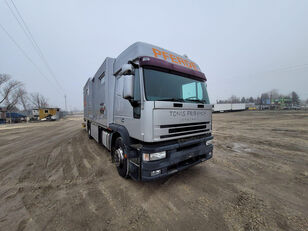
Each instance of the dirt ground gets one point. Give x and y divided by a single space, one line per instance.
52 177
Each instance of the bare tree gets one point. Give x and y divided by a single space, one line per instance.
251 100
4 78
38 100
13 99
10 92
234 99
258 101
295 98
8 89
273 94
23 99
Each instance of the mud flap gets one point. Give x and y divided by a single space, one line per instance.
134 163
134 170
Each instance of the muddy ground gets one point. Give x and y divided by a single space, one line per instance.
52 177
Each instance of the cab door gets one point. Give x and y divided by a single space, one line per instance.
128 113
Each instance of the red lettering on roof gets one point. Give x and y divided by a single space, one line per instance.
174 59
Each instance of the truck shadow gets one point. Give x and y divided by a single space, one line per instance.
184 176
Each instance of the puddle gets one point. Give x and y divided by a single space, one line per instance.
240 147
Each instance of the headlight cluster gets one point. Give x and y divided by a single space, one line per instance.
154 156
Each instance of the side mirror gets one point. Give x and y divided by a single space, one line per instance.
128 89
126 69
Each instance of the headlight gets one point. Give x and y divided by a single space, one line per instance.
209 142
154 156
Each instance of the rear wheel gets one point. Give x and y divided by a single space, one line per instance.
120 157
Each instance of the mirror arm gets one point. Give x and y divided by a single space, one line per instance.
135 65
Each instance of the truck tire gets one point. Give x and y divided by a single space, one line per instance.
119 157
89 131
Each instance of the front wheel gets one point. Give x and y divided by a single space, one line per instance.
120 158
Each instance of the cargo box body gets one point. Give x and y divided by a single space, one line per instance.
238 107
223 107
228 107
98 95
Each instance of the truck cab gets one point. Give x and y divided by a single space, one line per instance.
151 109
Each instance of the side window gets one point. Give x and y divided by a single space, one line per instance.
137 86
189 90
101 78
137 98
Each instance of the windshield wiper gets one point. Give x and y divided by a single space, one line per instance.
171 99
196 100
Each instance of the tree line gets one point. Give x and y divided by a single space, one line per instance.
267 98
14 97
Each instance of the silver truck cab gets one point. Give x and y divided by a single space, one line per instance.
150 108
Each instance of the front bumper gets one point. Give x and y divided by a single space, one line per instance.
179 157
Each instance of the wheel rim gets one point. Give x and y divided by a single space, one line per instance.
119 157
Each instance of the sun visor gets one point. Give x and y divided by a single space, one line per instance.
156 62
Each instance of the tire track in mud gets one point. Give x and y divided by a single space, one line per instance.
23 154
268 166
263 159
78 158
30 174
101 159
69 169
169 198
126 213
90 204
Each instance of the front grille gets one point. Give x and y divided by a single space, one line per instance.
183 129
184 133
182 125
175 130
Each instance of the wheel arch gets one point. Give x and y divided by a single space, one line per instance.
119 130
113 138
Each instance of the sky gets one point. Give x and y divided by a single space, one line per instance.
244 47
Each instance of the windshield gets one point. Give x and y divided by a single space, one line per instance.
163 86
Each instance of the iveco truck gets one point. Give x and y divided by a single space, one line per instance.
150 108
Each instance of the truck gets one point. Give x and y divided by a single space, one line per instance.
228 107
222 107
150 108
238 106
